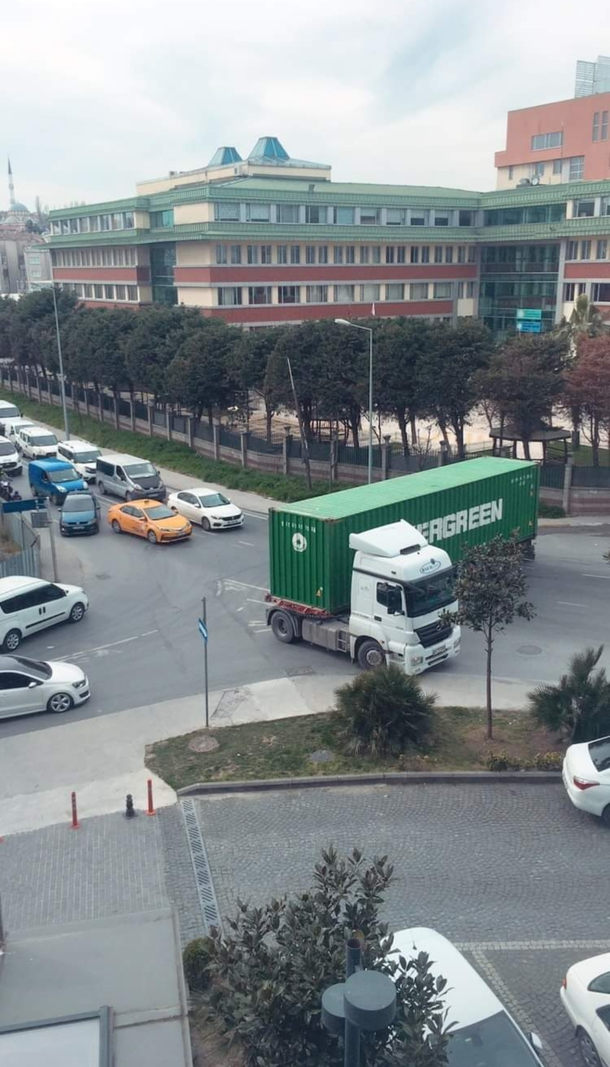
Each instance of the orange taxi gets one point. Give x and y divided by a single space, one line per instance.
150 519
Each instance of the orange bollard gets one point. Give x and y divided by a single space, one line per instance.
150 810
75 822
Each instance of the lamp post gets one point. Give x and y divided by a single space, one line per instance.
367 329
51 285
366 1000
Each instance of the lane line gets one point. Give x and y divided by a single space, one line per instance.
112 644
250 544
251 600
606 577
256 515
569 604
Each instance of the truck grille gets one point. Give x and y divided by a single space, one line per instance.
435 632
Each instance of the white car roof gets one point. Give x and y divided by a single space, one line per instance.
34 428
468 998
199 489
15 583
586 970
76 442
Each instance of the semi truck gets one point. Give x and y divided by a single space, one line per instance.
370 571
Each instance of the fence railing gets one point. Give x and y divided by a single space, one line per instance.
27 561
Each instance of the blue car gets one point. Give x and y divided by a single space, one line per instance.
80 514
55 478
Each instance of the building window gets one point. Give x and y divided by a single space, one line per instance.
117 220
288 294
317 294
595 136
221 254
401 254
120 292
414 253
510 173
229 295
585 209
417 218
338 254
369 216
288 213
557 166
466 218
343 216
350 254
538 170
601 293
604 136
259 294
105 222
323 254
99 292
266 258
418 291
88 291
84 224
569 290
442 290
235 254
295 254
376 253
394 291
441 218
370 293
310 253
461 254
585 250
425 254
396 216
258 212
160 219
449 254
541 141
389 254
344 294
228 212
109 292
602 250
132 292
316 214
364 253
252 254
438 253
577 169
282 254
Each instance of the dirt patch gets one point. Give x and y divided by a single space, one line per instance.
8 547
203 743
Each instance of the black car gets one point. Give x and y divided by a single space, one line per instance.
80 514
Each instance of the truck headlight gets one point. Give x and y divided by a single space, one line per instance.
416 660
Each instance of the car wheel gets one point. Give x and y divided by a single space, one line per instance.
59 703
151 537
606 815
281 625
205 524
56 500
95 529
116 526
588 1050
130 496
78 610
371 655
12 641
102 488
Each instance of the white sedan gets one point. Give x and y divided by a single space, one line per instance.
585 995
586 777
30 685
207 508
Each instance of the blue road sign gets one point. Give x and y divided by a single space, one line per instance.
203 630
528 326
22 505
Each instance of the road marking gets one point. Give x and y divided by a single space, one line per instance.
569 604
248 543
251 600
606 577
113 644
256 515
237 587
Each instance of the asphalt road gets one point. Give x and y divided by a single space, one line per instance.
139 642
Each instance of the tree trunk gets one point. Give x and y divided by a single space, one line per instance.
595 442
526 449
443 428
413 430
488 691
268 422
402 426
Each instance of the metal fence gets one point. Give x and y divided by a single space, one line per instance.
27 561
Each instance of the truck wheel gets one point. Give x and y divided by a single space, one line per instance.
281 625
371 655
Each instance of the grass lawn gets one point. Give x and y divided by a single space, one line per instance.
582 455
282 749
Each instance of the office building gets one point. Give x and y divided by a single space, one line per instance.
592 78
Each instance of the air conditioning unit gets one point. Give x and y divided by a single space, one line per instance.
524 181
535 181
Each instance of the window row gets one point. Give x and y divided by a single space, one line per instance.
571 290
118 220
585 209
541 141
309 214
90 291
230 295
517 216
94 257
586 249
268 255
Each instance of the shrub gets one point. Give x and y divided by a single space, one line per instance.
383 712
501 761
548 761
578 708
550 511
542 761
196 960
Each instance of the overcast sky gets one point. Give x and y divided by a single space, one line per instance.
101 93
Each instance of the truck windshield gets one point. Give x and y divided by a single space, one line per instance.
430 594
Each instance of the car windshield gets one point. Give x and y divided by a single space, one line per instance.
431 593
44 439
34 666
160 511
599 752
78 503
65 476
88 456
9 412
135 470
214 500
492 1042
6 448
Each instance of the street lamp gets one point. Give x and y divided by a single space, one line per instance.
366 1000
367 329
51 285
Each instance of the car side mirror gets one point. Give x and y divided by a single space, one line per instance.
32 685
536 1042
175 510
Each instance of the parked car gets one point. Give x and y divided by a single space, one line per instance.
7 411
585 995
82 455
586 777
37 443
80 514
10 460
129 477
54 478
29 685
150 519
484 1033
12 426
28 605
208 508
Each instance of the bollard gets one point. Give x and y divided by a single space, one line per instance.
129 808
75 822
150 810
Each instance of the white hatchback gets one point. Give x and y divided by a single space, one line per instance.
37 443
28 605
29 685
207 508
586 777
585 995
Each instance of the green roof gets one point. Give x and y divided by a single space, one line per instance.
369 497
348 188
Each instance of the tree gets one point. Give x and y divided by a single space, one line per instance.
32 333
383 712
578 708
588 388
249 360
448 374
155 340
400 348
524 380
490 590
199 376
265 979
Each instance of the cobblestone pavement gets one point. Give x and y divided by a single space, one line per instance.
512 873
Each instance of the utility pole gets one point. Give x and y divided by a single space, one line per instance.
304 445
204 617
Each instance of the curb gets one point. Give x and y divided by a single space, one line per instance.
262 785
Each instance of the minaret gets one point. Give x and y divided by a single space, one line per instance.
11 187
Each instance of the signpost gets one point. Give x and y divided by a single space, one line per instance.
529 320
202 626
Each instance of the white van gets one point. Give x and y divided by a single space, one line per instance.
10 460
13 426
82 455
8 411
37 443
129 477
28 605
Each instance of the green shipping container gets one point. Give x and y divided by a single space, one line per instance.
456 506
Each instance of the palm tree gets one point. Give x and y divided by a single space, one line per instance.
578 708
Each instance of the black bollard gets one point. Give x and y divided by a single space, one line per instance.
129 808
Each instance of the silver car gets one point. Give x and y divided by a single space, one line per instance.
29 685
